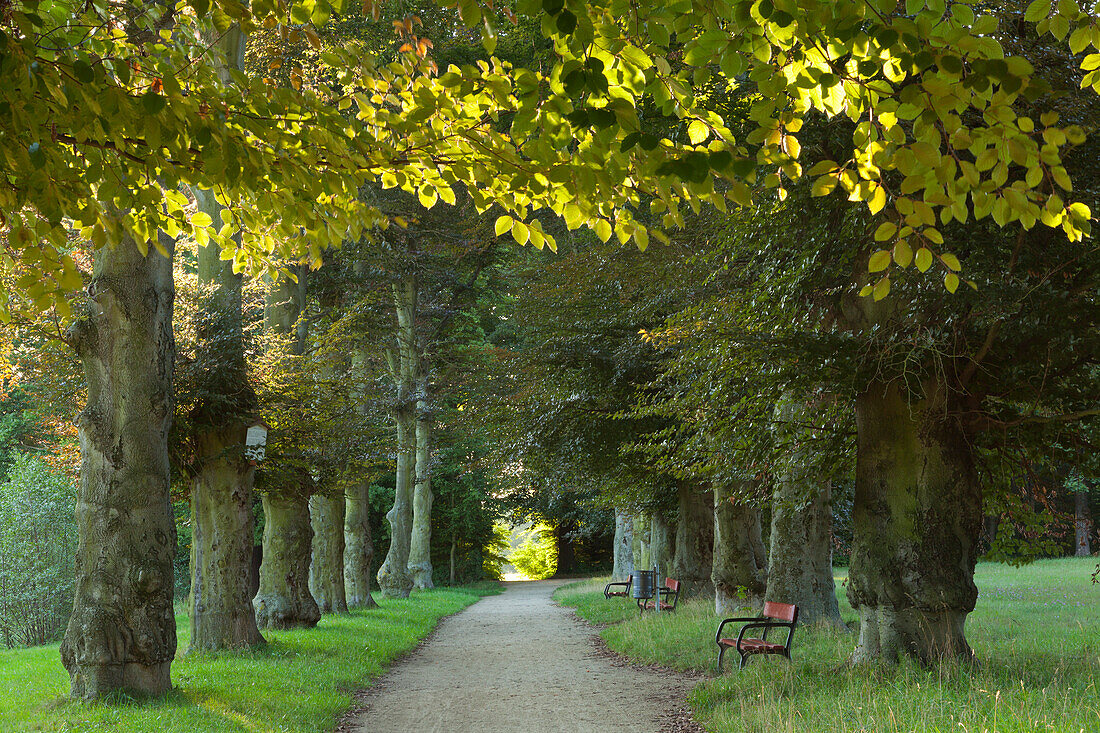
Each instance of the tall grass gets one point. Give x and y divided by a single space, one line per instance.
301 681
1036 632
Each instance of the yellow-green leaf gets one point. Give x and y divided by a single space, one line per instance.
924 259
878 200
520 232
903 253
504 224
885 231
951 261
951 282
201 219
882 288
879 261
698 132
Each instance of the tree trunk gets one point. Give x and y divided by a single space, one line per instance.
358 548
454 548
640 532
801 559
420 542
222 616
692 564
916 520
1081 524
326 570
567 556
393 577
623 553
284 600
739 571
662 542
121 636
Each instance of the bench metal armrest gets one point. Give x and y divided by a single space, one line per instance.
718 634
607 588
766 625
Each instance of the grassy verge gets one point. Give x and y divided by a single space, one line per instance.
1036 631
301 681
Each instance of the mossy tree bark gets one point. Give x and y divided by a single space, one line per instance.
740 568
358 548
801 556
420 540
623 551
393 577
222 522
326 570
284 600
1081 523
662 542
692 564
640 546
916 521
121 637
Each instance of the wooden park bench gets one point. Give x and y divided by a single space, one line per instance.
671 590
775 616
608 593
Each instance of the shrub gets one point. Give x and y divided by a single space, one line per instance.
37 553
537 558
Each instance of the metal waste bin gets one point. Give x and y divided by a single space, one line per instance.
645 584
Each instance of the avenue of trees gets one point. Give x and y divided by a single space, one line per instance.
792 263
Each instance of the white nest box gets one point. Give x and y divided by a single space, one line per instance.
255 441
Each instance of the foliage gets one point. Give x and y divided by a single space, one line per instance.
1034 631
37 547
537 557
302 680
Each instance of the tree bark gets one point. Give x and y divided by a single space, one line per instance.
640 532
393 577
222 522
326 571
739 571
662 542
121 636
358 548
1081 523
284 600
623 552
916 521
420 541
692 564
801 559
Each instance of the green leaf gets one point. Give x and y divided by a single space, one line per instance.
698 131
520 232
1038 10
924 259
83 71
504 224
879 261
201 219
153 102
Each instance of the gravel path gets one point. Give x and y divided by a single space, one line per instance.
518 662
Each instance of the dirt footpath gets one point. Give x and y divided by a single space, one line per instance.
518 662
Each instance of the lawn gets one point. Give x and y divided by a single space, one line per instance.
303 680
1036 632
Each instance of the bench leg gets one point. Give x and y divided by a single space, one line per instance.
721 653
744 659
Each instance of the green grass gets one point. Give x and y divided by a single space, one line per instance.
301 681
1036 631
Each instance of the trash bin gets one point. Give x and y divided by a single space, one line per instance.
645 584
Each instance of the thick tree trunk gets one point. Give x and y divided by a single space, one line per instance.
121 636
393 577
454 549
662 542
692 564
326 570
623 552
639 547
1081 524
358 548
916 520
420 542
222 616
284 600
739 571
800 564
